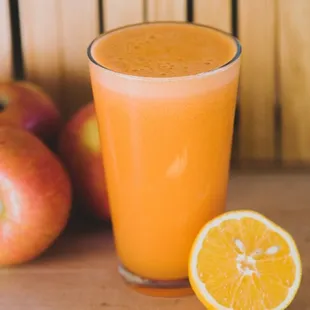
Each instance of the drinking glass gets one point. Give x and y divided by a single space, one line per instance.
166 145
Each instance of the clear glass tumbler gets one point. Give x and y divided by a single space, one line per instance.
166 145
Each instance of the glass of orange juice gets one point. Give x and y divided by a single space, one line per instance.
165 96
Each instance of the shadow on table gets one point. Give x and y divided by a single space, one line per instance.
83 242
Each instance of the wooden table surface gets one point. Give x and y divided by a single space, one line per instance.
79 271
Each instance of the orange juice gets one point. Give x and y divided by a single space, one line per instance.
165 97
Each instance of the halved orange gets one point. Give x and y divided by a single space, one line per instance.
243 261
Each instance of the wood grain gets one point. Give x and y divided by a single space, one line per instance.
78 30
257 94
41 32
215 13
118 13
166 10
79 271
294 80
5 39
54 46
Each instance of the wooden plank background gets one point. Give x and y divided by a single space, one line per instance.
78 30
274 113
257 95
294 80
5 39
54 42
163 10
215 13
118 13
41 44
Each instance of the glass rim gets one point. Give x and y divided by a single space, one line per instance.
166 78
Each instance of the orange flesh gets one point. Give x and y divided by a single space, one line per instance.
269 277
166 145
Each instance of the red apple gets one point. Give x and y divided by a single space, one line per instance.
27 106
79 147
35 196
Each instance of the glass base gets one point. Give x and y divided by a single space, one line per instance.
156 288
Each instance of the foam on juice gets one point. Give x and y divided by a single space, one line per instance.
158 50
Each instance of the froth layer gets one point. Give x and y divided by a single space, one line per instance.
164 50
